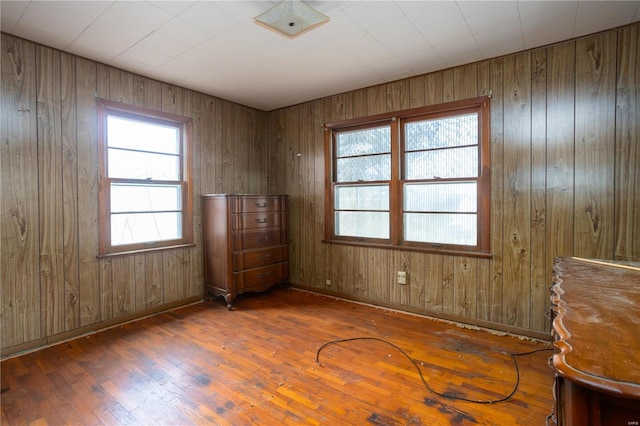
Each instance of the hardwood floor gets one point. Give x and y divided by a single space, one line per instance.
256 365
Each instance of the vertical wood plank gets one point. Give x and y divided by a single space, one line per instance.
140 280
434 282
306 171
19 262
294 190
627 179
207 149
106 289
196 279
173 278
319 248
348 274
434 84
465 79
400 294
121 86
496 275
124 281
105 265
154 292
398 96
417 280
448 85
87 133
70 190
560 117
218 146
360 101
448 283
227 150
50 190
379 272
539 278
362 273
595 145
517 196
417 91
239 146
465 279
376 100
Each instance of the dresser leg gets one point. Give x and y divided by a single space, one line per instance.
229 297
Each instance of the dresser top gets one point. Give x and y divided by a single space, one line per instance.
597 322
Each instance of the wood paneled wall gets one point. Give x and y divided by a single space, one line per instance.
565 153
565 181
52 284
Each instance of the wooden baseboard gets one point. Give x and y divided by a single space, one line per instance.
458 320
34 345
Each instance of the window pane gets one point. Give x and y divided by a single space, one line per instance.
364 142
354 169
134 228
142 165
138 198
362 224
144 136
459 229
362 197
441 197
446 163
442 132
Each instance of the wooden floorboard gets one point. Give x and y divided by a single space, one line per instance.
255 365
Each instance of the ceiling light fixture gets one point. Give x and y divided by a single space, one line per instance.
291 18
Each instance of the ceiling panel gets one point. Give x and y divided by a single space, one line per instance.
216 48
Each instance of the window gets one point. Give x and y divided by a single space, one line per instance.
416 179
145 199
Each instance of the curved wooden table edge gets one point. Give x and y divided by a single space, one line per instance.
626 390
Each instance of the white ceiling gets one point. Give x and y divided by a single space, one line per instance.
216 48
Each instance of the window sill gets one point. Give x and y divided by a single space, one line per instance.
412 248
147 250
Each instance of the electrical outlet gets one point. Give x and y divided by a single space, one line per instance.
327 282
402 277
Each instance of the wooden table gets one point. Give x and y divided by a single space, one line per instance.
596 333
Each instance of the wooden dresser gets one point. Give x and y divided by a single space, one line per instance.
245 243
596 335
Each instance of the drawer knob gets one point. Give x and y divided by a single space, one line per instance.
265 256
263 239
265 275
261 205
263 220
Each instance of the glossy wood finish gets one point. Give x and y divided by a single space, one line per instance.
564 157
182 367
245 243
596 331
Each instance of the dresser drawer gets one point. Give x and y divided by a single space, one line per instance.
255 238
255 258
258 278
257 220
257 204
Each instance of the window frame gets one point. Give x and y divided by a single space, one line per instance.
184 126
396 120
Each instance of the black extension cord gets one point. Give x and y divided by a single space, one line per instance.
444 395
